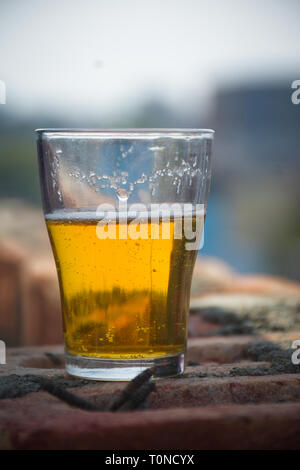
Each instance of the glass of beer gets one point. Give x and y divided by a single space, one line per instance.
125 211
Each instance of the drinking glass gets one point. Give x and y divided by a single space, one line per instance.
125 210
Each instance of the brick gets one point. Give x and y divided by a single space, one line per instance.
228 349
24 225
187 392
210 275
218 349
12 258
46 423
41 315
259 284
244 313
32 360
194 411
198 326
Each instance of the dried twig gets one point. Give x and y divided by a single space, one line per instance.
131 398
68 397
127 394
139 397
54 358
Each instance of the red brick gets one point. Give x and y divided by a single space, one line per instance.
187 392
243 284
210 275
259 284
200 327
218 349
41 315
46 423
189 412
12 257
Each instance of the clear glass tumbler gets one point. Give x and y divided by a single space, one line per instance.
125 212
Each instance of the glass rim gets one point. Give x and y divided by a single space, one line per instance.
128 131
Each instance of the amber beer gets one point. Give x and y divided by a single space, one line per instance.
123 298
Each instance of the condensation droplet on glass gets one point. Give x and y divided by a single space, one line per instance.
59 195
142 178
122 194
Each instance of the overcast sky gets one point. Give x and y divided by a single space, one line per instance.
99 55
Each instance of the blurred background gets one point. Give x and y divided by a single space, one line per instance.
227 65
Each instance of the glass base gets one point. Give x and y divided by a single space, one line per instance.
122 369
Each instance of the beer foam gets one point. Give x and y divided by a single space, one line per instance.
155 211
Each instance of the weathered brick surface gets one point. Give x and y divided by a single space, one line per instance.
213 275
217 349
227 349
187 392
259 284
243 313
45 423
206 408
12 258
41 311
30 312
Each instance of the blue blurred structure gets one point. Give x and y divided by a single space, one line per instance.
253 219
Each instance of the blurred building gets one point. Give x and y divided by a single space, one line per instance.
258 128
256 192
